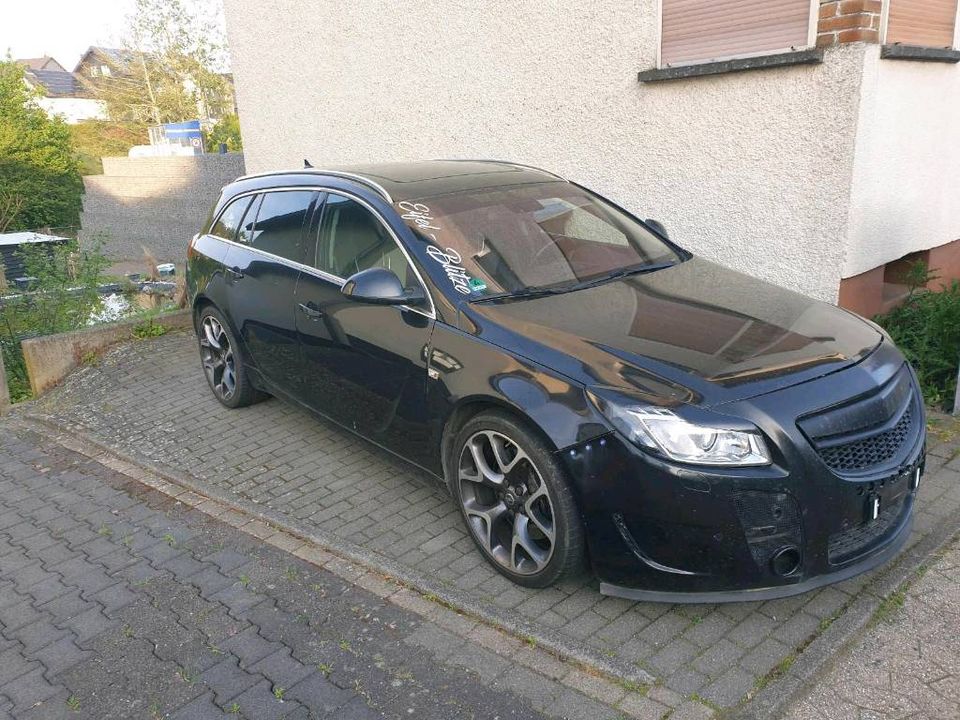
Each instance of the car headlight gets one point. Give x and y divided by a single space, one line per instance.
664 432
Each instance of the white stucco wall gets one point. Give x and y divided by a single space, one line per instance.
73 110
906 182
751 169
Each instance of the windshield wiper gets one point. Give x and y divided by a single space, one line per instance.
525 293
622 273
592 282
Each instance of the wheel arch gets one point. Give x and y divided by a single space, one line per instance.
467 409
199 303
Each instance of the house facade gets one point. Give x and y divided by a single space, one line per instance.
813 143
60 92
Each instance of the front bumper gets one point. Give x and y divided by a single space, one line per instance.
660 531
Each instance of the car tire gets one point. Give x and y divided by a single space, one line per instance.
515 500
223 362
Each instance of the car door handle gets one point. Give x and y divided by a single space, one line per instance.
235 272
311 311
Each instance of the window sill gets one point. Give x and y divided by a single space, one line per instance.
915 52
761 62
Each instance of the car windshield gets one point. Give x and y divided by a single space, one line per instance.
517 240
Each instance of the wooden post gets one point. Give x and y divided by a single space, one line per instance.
4 392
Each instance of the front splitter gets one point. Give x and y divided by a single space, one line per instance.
881 556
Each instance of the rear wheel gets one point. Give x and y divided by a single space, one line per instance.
222 361
516 501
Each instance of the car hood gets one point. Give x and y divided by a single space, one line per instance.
693 333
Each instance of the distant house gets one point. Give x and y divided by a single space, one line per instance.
99 62
42 63
61 92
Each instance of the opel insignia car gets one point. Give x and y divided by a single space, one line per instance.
589 391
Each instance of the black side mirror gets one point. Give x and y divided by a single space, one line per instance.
379 286
657 227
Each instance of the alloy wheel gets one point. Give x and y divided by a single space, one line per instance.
506 502
217 357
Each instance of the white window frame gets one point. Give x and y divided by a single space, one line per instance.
813 22
885 22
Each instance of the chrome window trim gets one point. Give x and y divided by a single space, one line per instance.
321 274
332 173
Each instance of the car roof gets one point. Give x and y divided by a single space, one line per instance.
398 181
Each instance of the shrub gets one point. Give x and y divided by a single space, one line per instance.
95 139
63 297
39 171
227 131
927 329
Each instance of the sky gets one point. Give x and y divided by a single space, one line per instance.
63 29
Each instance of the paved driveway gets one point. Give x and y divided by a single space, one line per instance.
117 602
150 399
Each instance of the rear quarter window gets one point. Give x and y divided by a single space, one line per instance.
226 225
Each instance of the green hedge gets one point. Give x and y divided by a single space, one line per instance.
927 329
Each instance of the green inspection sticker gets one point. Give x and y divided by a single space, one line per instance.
477 285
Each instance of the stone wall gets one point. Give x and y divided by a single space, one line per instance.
153 203
50 358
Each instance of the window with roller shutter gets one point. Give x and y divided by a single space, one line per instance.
694 31
923 23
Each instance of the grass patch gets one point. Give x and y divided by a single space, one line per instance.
891 605
706 703
635 687
148 329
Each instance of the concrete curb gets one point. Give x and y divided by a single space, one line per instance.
50 358
452 609
4 390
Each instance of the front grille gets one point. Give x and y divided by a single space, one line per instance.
849 544
871 451
870 432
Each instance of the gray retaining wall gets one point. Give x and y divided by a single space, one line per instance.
153 203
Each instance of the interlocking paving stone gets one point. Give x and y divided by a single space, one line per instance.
907 664
130 632
319 475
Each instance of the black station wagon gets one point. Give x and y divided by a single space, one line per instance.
589 391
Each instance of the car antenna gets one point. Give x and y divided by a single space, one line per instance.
306 164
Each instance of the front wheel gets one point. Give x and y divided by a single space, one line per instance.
516 501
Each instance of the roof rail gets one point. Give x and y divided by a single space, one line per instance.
333 173
504 162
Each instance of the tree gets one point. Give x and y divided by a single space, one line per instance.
226 131
40 183
94 139
167 69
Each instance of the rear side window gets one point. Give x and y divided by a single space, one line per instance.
279 225
226 226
